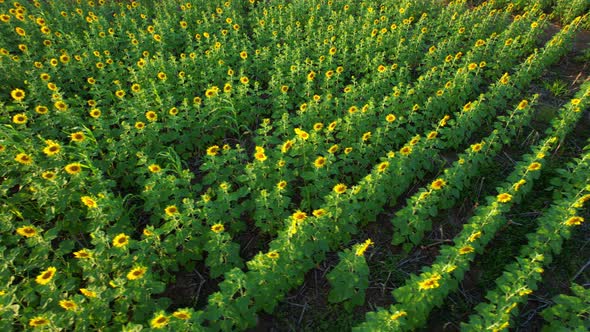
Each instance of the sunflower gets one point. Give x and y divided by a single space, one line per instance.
155 168
77 136
319 162
287 146
20 118
95 113
430 283
523 104
339 188
466 250
574 221
171 210
281 185
363 247
319 212
45 276
519 184
52 148
272 255
64 58
73 168
17 94
474 236
60 105
137 273
476 147
390 118
26 231
299 216
182 314
82 254
88 293
397 315
38 321
432 135
121 240
382 167
209 93
139 125
244 55
504 198
41 110
20 31
160 321
438 184
135 87
535 166
68 305
333 149
217 228
162 76
260 156
472 66
213 150
244 80
347 150
48 175
406 150
24 159
151 116
120 93
301 134
89 202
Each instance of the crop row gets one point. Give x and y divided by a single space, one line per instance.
420 294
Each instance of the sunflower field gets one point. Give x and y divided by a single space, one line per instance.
213 165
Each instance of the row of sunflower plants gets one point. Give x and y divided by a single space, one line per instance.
414 219
520 278
420 294
304 239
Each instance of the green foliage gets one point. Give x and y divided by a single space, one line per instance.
349 279
557 87
247 139
570 312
